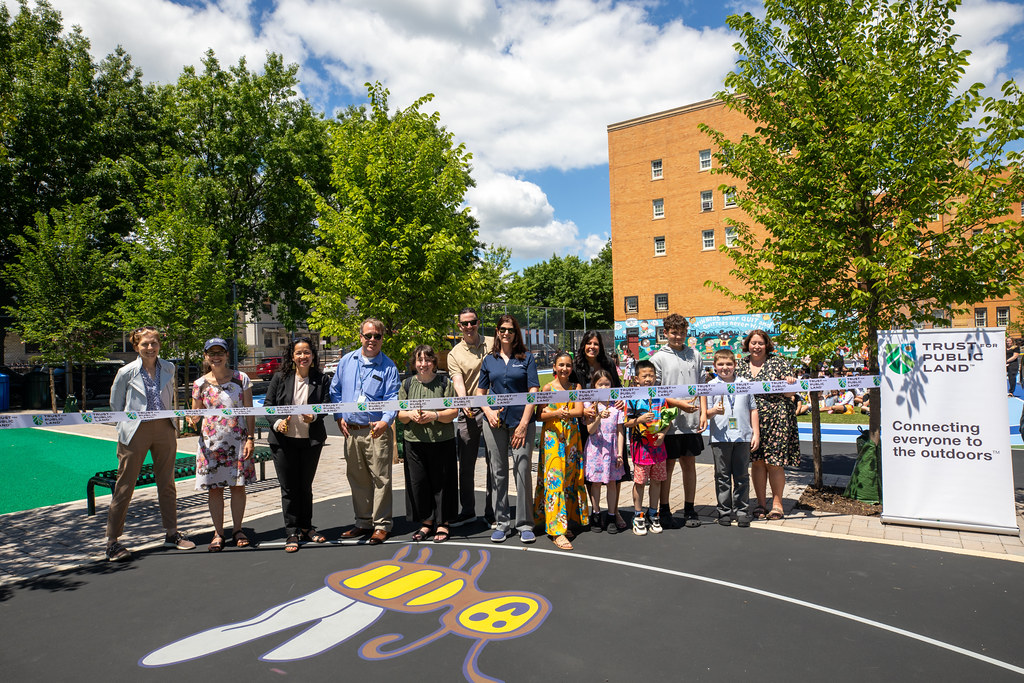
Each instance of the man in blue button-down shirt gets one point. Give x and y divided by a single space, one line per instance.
367 375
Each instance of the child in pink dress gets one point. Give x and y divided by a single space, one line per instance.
603 455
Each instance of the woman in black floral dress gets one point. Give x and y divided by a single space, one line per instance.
780 439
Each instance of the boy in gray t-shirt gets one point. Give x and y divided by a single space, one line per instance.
734 433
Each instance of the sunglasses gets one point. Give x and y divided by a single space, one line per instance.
507 330
372 335
469 323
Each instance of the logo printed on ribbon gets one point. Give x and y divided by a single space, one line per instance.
614 393
692 390
317 409
360 406
842 383
271 410
447 403
804 384
766 386
87 418
490 400
530 398
572 395
132 416
403 405
731 388
37 420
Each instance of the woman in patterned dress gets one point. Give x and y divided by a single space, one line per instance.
226 443
780 438
561 496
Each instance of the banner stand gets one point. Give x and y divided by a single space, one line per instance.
945 441
955 526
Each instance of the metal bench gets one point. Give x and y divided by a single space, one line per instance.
183 468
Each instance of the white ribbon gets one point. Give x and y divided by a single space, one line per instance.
493 400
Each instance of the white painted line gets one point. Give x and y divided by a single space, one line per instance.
757 591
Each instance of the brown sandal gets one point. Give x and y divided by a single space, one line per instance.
561 542
216 544
240 539
776 515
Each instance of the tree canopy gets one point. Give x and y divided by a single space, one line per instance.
875 184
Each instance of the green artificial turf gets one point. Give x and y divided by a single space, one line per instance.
42 467
827 418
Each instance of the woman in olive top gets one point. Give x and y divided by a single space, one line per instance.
431 462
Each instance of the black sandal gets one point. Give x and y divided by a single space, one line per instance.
292 544
441 535
423 533
312 536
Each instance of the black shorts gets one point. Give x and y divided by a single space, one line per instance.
677 445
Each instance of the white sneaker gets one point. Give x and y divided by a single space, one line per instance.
639 525
656 524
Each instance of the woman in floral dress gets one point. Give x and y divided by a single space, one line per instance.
226 443
561 495
780 437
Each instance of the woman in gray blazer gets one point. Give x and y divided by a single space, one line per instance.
296 440
146 383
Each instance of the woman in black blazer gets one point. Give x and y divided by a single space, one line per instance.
296 440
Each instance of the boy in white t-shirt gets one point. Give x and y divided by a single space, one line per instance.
735 432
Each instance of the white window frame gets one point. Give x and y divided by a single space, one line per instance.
704 235
981 317
657 209
661 306
707 201
704 160
729 198
1002 316
730 236
659 246
657 169
635 308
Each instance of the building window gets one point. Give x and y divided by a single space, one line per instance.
729 198
659 208
632 304
659 246
661 302
1002 316
708 239
707 202
981 317
656 169
31 347
662 336
730 236
705 159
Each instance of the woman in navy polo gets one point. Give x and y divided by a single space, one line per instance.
510 369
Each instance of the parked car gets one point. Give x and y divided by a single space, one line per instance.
268 367
16 385
98 378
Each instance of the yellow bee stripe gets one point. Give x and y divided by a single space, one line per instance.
438 594
364 579
405 584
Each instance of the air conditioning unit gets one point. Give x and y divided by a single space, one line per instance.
706 205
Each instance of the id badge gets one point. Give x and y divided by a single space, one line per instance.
732 423
361 399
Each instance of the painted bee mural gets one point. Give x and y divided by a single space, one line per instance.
354 599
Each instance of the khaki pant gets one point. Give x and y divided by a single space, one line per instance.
159 438
368 464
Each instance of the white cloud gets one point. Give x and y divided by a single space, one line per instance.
982 25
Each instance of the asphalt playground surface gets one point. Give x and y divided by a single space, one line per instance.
708 604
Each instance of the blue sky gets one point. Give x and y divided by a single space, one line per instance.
528 85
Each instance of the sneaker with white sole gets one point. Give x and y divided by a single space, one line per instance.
639 525
656 524
499 536
117 553
178 540
527 536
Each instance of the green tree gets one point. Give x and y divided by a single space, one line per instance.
493 274
246 139
863 135
393 240
171 279
63 287
69 131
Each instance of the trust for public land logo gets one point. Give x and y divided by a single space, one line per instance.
842 383
692 390
901 358
805 385
530 398
132 416
490 400
614 394
447 403
271 411
404 405
317 409
731 388
766 386
572 395
652 392
87 418
360 406
37 420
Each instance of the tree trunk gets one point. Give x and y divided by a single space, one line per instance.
53 393
83 405
875 416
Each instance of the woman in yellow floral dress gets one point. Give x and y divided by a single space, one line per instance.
561 496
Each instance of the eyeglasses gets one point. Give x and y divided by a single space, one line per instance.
507 330
373 335
469 323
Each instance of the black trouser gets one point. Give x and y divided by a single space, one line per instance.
431 481
468 431
295 461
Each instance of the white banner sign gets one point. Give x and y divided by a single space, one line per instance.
945 438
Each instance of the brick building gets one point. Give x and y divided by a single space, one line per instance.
668 218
